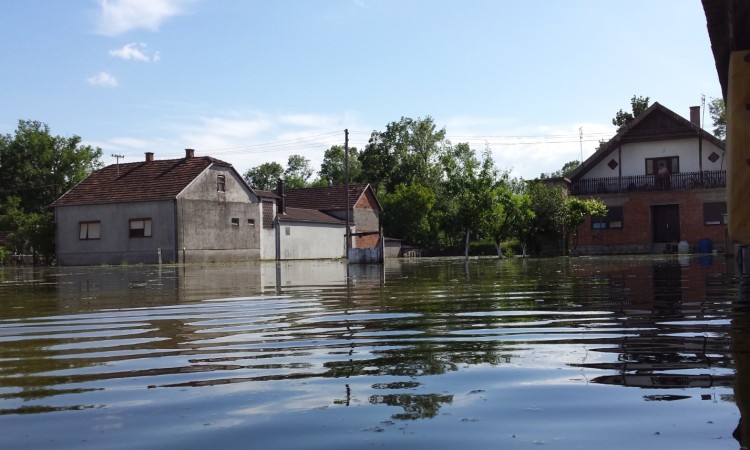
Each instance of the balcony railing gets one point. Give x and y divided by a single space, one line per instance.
708 179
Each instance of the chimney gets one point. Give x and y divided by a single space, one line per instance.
282 197
189 153
695 115
149 156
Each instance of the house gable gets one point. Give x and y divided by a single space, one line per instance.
656 124
138 182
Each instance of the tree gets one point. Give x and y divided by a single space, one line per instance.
718 111
470 185
332 168
36 168
574 214
298 171
406 152
638 106
566 171
264 176
407 213
510 217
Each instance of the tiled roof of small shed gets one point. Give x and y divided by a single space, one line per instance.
325 198
141 181
308 215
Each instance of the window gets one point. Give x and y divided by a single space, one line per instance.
267 214
613 219
672 164
235 221
221 183
90 230
714 213
251 222
288 231
140 228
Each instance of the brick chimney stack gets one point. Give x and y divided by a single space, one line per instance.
281 206
695 115
149 156
189 153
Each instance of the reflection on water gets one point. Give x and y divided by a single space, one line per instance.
579 351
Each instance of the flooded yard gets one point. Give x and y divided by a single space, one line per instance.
569 353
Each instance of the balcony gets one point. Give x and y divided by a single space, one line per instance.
708 179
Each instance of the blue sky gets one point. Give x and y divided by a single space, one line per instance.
254 81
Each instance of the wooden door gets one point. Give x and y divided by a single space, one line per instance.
666 223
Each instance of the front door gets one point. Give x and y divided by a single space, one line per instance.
666 224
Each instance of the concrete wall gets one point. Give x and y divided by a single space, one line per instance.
115 245
311 241
634 155
268 237
218 226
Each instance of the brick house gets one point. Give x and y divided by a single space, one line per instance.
364 208
663 179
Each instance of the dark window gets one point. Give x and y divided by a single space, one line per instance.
714 213
90 230
236 221
613 219
221 183
671 163
251 222
140 228
267 214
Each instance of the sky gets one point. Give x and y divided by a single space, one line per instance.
537 82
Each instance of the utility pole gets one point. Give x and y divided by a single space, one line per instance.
580 141
117 157
346 188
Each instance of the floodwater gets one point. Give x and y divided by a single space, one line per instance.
568 353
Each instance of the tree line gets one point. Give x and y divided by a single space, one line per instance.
437 195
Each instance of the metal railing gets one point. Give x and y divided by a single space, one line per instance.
708 179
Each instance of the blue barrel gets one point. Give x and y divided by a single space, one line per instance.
704 246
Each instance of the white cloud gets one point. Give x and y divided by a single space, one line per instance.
120 16
102 79
135 51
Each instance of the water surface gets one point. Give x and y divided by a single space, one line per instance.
589 353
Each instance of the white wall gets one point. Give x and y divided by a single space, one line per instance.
634 155
300 240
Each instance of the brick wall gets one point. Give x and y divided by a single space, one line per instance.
636 235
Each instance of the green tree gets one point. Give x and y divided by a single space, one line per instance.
406 214
264 176
36 167
574 214
718 112
332 167
469 186
566 171
638 106
406 152
298 171
510 217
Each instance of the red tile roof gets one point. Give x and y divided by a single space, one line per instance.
325 198
308 215
141 181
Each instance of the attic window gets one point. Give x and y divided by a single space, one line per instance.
713 157
612 164
221 183
236 221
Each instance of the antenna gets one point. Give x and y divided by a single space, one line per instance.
703 109
580 141
117 157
